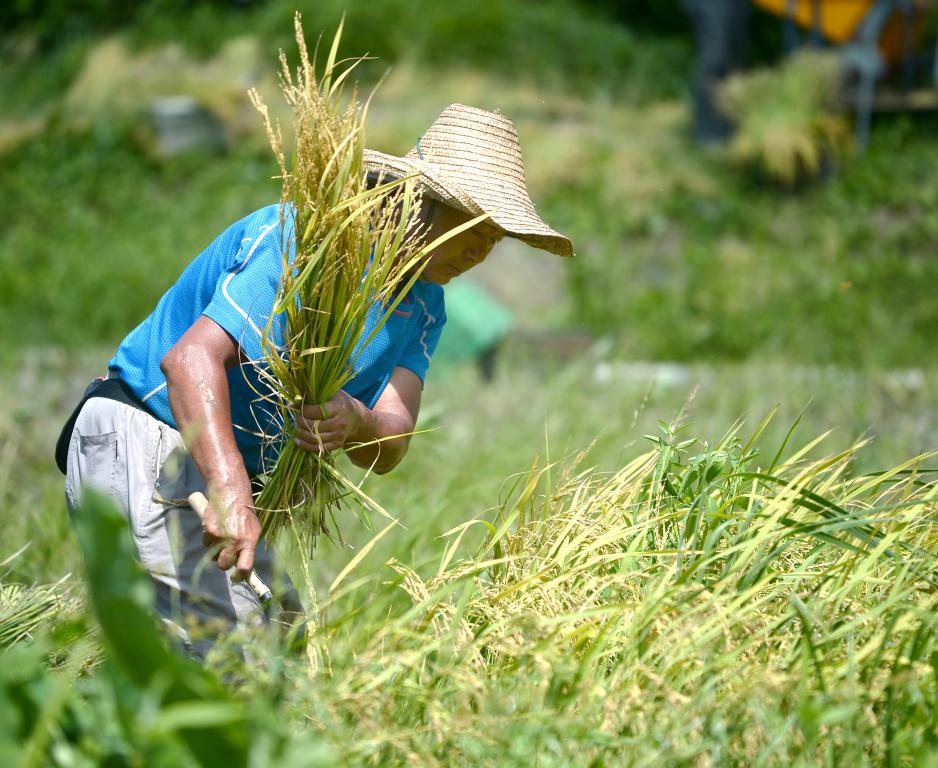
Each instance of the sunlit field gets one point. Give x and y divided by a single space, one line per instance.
690 521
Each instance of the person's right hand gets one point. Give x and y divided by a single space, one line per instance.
236 528
200 399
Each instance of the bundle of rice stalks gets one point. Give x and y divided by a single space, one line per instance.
786 123
24 609
349 249
691 608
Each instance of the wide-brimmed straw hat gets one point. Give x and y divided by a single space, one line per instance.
470 159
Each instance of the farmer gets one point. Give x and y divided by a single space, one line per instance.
178 411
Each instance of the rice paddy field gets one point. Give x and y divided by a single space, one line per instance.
703 534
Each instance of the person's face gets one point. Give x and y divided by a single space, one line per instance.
459 253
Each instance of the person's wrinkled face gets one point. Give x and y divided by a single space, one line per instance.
461 252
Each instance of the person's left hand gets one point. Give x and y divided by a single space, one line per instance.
338 421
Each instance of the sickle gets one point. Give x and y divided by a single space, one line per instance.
199 503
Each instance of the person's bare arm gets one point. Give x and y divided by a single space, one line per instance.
349 423
197 385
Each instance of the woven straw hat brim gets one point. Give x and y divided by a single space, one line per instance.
470 159
509 210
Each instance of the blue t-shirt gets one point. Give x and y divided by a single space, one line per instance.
235 282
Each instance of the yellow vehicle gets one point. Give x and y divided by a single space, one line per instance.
896 23
875 36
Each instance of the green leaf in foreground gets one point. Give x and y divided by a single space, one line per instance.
216 726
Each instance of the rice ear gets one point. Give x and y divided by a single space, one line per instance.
349 248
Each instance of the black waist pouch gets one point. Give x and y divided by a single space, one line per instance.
112 389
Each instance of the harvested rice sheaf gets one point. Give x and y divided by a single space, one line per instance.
347 247
788 124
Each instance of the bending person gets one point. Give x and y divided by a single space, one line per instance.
178 413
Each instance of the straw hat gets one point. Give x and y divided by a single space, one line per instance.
470 159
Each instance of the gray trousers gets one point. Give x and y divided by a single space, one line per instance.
143 466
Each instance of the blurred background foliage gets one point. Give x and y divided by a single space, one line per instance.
679 257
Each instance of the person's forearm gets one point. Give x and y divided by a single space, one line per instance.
200 401
383 439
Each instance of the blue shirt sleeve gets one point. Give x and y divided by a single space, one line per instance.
420 348
247 289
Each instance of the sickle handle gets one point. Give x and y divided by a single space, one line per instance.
199 503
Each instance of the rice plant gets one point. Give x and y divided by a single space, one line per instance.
702 605
24 609
724 603
787 125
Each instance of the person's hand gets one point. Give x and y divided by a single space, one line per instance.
234 526
335 423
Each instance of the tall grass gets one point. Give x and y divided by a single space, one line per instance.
703 604
734 602
26 608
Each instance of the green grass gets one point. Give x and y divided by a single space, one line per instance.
660 669
556 43
721 266
481 434
95 223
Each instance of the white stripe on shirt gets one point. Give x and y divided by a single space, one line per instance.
426 326
224 287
